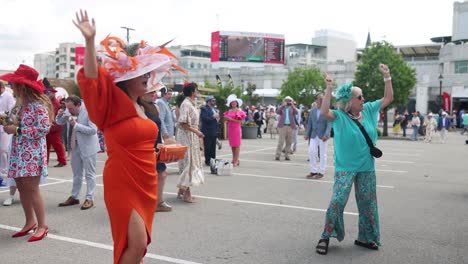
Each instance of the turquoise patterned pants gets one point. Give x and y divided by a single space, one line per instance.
366 197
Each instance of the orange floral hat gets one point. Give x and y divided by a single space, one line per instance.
157 61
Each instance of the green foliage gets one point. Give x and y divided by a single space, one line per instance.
250 123
222 94
76 90
370 80
302 85
249 97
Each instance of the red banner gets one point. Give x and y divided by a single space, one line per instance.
446 101
215 46
79 55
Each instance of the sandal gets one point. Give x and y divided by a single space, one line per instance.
369 245
188 197
180 194
322 250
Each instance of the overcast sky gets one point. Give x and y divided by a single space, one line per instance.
36 26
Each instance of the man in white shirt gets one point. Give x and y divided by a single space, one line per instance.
7 102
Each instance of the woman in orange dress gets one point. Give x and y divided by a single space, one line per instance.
110 93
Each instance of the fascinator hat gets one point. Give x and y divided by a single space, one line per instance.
344 93
125 63
231 98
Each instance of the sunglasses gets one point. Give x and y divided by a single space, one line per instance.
360 97
146 75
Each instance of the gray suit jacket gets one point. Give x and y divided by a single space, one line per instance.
85 131
317 126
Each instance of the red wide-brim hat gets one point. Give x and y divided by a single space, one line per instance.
25 75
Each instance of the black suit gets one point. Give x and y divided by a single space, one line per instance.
209 128
258 118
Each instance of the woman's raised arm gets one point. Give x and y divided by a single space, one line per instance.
89 33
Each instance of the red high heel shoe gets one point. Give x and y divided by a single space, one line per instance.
37 238
25 232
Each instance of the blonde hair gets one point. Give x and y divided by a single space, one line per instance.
346 106
25 94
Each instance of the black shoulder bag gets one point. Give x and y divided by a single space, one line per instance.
374 151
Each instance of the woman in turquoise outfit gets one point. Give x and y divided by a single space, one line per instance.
356 166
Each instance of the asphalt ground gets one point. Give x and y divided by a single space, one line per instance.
268 212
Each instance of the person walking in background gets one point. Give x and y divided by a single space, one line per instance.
110 93
152 112
53 138
271 122
209 117
297 121
431 125
84 147
415 124
258 118
28 156
356 166
443 126
396 123
165 114
286 125
188 134
404 122
7 106
234 116
464 123
317 133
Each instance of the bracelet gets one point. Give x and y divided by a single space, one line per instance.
389 78
18 131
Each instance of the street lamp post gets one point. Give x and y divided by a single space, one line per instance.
441 78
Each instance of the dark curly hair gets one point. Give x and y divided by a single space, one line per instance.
189 89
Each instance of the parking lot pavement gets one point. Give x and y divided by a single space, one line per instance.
268 212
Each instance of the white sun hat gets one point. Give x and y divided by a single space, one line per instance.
232 98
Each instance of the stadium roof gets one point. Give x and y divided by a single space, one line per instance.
419 50
303 44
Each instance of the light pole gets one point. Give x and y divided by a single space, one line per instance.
128 33
441 78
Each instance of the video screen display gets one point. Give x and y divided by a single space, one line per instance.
247 47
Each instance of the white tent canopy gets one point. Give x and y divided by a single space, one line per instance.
267 92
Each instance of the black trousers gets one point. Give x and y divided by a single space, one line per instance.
209 143
259 130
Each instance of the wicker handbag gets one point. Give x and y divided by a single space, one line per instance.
171 152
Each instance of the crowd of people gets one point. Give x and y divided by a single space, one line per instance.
127 104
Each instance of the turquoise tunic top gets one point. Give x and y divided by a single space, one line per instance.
352 153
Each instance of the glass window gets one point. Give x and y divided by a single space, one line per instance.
461 67
192 65
72 50
72 66
72 75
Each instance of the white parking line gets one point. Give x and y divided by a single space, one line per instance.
42 185
305 164
260 203
331 153
296 179
102 246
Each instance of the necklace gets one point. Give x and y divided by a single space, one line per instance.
353 116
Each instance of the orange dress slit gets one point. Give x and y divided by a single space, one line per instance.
130 177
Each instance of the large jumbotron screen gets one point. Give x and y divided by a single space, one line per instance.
247 47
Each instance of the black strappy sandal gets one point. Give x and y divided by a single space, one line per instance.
369 245
322 250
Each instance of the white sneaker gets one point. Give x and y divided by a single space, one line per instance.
8 201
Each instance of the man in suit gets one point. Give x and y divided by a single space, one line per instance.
286 126
84 144
165 113
443 126
258 118
318 133
209 117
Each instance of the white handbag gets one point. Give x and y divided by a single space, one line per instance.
221 167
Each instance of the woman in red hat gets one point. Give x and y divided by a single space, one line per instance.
28 160
110 93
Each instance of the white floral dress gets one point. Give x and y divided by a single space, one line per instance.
191 167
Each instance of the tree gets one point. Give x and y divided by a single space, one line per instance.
370 80
249 97
222 94
302 85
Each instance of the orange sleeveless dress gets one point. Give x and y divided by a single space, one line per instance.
130 177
